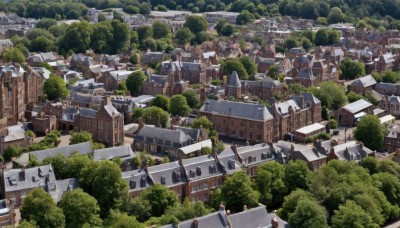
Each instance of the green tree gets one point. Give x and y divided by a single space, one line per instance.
296 88
152 115
26 224
108 187
13 55
335 15
137 114
249 65
192 98
160 30
161 101
160 198
321 37
308 213
333 124
291 202
178 106
296 174
144 32
236 192
269 181
80 137
230 65
351 69
134 59
80 209
122 220
244 17
290 43
273 72
55 88
76 38
196 23
390 76
306 44
11 151
202 122
183 36
135 81
228 30
389 185
46 23
121 37
351 215
370 131
309 10
39 207
188 210
331 95
352 97
371 164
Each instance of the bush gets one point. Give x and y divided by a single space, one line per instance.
333 124
310 139
323 136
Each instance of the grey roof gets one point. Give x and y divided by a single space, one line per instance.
386 88
6 42
311 154
158 79
357 106
57 188
17 179
283 107
201 167
165 174
237 109
15 132
265 83
234 80
81 148
86 98
162 135
120 75
365 81
111 110
124 152
394 100
351 151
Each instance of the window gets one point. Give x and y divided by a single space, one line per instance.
132 183
163 180
198 171
250 125
259 126
100 124
194 188
258 137
242 123
233 132
192 173
205 185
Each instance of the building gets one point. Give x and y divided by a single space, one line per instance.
392 139
350 151
239 121
388 89
350 114
166 141
169 84
300 135
14 135
110 79
5 44
391 104
124 153
362 85
215 17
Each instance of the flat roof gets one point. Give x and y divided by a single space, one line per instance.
310 128
387 118
357 106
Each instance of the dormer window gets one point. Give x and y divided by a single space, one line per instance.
40 172
177 175
192 173
163 180
143 182
132 183
231 164
198 171
263 156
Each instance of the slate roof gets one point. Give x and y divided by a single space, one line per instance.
120 75
17 179
311 154
82 148
237 109
351 151
234 80
167 174
15 132
196 146
283 107
168 136
111 110
365 81
357 106
57 188
201 167
394 99
124 152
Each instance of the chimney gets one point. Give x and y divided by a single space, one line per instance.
234 149
301 101
228 212
274 222
222 214
225 80
195 223
23 172
245 207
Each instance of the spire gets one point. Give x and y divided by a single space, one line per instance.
234 80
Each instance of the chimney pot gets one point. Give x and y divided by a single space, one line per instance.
244 207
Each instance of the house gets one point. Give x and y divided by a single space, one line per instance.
388 89
124 153
14 135
214 17
239 121
312 156
81 62
362 85
350 151
254 217
392 139
169 84
301 134
391 104
7 214
386 62
350 114
166 141
5 44
152 58
110 79
84 148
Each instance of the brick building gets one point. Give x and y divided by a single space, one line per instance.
391 104
169 84
350 114
362 85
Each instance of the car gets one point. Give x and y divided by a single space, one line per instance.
335 132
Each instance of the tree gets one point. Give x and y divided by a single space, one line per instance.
269 182
306 44
273 72
371 164
134 59
149 43
202 122
335 15
121 37
160 101
178 106
145 8
291 202
188 210
11 151
249 65
39 207
155 115
80 209
192 98
389 185
183 36
80 137
135 81
200 37
108 187
236 192
76 38
160 30
390 76
290 43
244 17
228 30
296 88
370 131
122 220
144 32
230 65
46 23
352 97
160 198
331 95
351 215
351 69
13 55
322 37
309 10
296 174
308 213
55 88
333 124
196 23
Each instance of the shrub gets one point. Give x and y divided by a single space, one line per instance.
333 124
